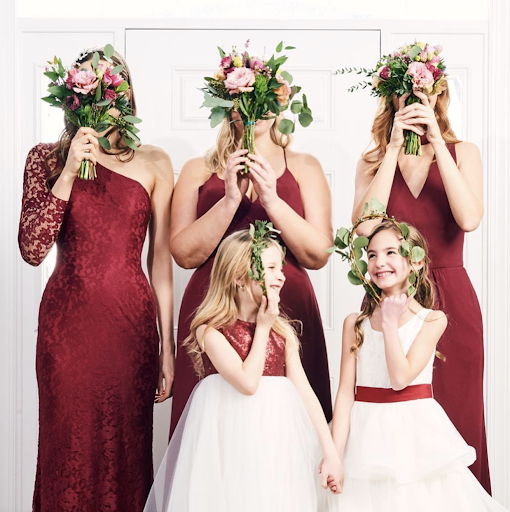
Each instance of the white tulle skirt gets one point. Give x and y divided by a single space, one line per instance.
407 457
237 453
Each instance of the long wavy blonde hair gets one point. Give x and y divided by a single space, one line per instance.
383 125
220 307
226 143
425 290
57 157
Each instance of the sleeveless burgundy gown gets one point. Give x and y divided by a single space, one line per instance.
297 297
97 343
458 381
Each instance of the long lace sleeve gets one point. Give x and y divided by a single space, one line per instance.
42 213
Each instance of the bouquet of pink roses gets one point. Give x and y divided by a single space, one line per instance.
87 96
256 89
409 68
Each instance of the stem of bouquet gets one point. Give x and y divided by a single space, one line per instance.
248 140
412 144
87 170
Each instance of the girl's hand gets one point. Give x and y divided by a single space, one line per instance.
84 146
400 124
166 376
392 308
423 114
264 179
268 310
332 474
236 184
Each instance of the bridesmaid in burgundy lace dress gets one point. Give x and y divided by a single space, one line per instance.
98 343
212 200
441 193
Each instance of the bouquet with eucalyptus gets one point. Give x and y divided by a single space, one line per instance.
87 97
412 67
256 89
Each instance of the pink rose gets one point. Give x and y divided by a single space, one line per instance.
438 48
283 92
422 77
435 59
109 94
240 80
70 77
109 79
73 102
436 72
256 63
226 62
384 72
84 81
396 54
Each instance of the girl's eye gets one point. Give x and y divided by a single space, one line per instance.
392 252
370 256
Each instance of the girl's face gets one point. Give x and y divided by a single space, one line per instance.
261 126
386 267
273 273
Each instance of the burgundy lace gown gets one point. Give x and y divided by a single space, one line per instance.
97 343
297 297
457 382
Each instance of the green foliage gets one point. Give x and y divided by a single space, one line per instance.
286 126
262 233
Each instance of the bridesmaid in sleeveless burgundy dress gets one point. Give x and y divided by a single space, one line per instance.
98 343
297 298
449 203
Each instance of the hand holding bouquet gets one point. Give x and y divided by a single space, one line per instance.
415 67
256 89
87 97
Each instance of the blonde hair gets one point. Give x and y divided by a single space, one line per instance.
226 143
220 306
383 125
425 291
58 155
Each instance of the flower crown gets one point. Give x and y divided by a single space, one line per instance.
85 52
262 233
351 249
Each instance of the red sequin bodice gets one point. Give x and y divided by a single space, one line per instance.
240 336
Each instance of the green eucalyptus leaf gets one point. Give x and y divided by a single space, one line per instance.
108 51
130 144
103 103
104 143
331 250
363 266
95 60
405 230
101 127
211 102
296 107
305 119
117 69
411 291
353 278
132 136
417 254
376 206
287 76
98 91
279 48
132 119
412 278
343 234
290 47
360 242
340 243
286 126
365 210
217 116
222 53
358 253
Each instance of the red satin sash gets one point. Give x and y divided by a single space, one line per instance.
386 396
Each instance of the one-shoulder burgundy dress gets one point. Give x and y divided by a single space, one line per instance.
457 382
97 342
297 298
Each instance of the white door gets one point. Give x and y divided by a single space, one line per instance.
167 85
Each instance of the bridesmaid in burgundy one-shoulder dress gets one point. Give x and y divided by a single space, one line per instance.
458 381
297 299
97 345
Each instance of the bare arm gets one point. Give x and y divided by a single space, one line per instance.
401 368
345 395
192 239
308 237
331 466
159 263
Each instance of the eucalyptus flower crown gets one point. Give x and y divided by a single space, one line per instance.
350 247
262 234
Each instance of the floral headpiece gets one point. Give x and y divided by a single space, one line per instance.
262 233
85 52
351 249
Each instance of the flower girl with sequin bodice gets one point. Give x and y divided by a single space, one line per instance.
253 431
